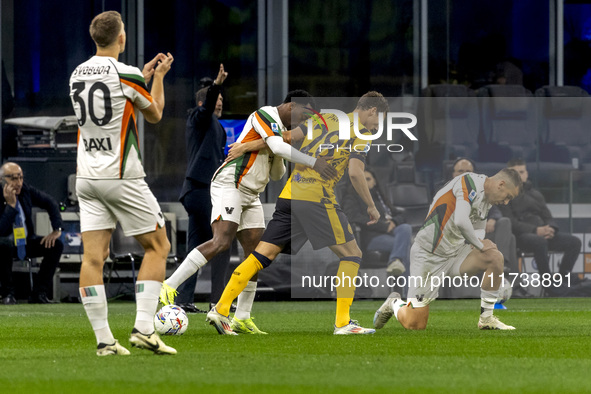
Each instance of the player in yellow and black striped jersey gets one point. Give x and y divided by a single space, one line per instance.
307 210
307 185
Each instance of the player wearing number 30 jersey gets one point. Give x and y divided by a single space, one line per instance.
109 179
106 94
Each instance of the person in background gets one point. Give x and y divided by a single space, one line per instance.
537 232
205 143
17 234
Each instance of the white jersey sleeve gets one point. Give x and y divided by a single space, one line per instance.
134 86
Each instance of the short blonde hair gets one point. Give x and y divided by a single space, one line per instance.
105 28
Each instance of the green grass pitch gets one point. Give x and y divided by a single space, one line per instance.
51 349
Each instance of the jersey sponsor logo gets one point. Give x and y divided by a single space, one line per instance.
229 210
97 144
472 195
300 179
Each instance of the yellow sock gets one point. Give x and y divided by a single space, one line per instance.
345 291
237 283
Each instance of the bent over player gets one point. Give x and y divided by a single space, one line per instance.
451 243
307 210
110 179
235 188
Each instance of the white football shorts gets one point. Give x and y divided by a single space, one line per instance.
104 202
427 271
236 205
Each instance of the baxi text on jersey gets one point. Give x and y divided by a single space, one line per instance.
97 144
91 70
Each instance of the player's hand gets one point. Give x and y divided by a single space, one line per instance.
488 244
148 70
222 75
164 65
286 136
374 215
236 150
49 240
9 194
324 169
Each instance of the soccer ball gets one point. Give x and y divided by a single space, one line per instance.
171 320
505 291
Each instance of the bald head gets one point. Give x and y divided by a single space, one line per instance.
9 168
12 177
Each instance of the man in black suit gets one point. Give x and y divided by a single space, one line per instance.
17 234
205 140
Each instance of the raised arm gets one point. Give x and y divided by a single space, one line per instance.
153 113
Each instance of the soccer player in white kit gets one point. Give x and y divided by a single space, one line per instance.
110 186
235 188
451 243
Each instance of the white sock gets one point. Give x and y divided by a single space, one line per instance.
488 299
245 301
396 305
188 267
95 304
146 299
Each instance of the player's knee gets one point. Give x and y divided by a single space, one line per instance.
416 325
354 251
494 258
94 261
493 255
414 322
221 243
164 247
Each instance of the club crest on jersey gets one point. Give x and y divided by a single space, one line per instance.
275 127
472 195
